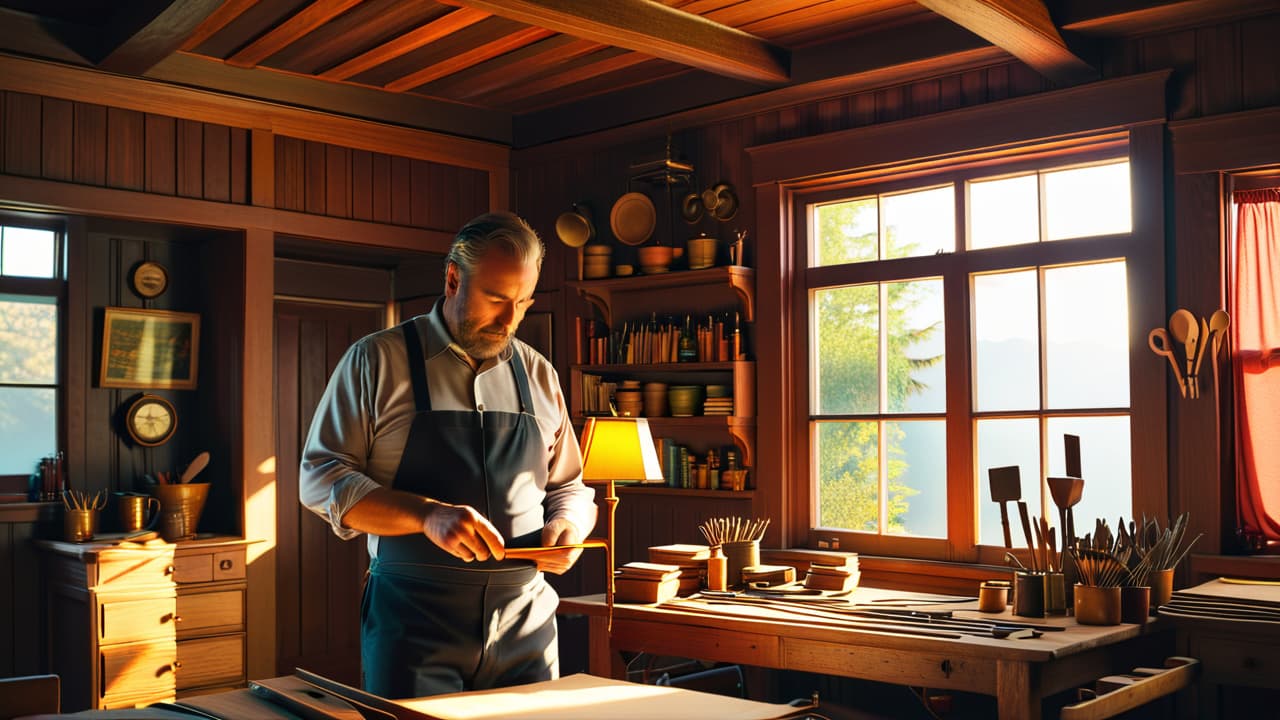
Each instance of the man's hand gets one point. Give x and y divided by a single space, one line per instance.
559 532
463 532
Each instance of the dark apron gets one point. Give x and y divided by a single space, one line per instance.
431 623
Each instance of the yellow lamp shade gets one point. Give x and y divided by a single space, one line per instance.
619 449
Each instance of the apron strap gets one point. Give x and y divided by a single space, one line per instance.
522 381
417 367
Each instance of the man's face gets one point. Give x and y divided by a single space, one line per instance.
484 309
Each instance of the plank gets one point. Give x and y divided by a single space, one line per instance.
217 163
22 134
240 165
290 31
381 179
288 570
422 36
89 159
126 149
57 137
290 173
149 34
313 177
401 190
361 185
161 154
190 154
337 181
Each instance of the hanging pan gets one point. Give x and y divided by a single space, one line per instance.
574 227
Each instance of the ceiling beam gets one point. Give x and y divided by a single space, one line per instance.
144 33
412 40
652 29
286 33
1024 29
464 60
1117 18
220 18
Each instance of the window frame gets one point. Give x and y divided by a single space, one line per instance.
55 288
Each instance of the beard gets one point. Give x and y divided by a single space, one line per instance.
479 342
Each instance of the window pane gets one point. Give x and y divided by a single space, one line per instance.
1004 212
1104 463
28 429
917 478
919 223
1081 202
1004 442
1087 333
26 252
1006 330
846 232
28 340
845 363
917 371
848 475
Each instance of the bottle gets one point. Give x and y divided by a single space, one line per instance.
717 570
688 351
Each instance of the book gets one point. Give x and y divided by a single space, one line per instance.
642 590
769 574
842 583
679 553
648 571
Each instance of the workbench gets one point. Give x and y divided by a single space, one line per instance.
1018 673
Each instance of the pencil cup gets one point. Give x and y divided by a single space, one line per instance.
1097 605
1055 594
1135 603
1028 594
1161 582
740 554
79 525
180 509
993 597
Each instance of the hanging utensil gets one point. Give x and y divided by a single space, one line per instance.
1218 324
1165 347
1185 330
197 464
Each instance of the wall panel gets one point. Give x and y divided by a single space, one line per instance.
56 138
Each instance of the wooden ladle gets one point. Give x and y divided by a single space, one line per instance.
1184 329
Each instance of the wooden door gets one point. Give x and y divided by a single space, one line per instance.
319 577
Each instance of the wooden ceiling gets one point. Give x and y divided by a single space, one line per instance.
485 67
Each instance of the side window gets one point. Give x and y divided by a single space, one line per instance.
31 288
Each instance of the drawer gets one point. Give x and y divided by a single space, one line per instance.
208 564
204 610
130 620
206 661
117 569
1238 661
136 669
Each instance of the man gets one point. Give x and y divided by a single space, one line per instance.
447 440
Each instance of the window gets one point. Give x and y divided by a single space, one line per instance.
31 289
956 322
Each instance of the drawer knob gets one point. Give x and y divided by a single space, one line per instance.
225 564
168 570
177 618
175 665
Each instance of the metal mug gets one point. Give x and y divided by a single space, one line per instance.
79 525
137 511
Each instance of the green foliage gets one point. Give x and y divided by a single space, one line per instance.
847 346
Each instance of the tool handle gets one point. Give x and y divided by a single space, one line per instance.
1004 523
1026 531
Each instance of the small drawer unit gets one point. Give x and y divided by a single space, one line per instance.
135 624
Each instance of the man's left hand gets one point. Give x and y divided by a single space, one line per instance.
559 532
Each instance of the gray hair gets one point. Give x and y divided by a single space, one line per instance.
503 230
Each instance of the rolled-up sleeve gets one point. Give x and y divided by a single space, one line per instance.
331 476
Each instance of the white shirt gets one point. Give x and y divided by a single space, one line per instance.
362 422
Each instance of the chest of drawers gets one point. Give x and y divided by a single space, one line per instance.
134 624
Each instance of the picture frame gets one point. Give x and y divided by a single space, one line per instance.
149 349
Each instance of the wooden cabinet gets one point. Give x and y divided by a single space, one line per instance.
649 515
134 624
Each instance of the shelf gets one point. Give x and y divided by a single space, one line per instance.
624 490
741 279
741 429
624 368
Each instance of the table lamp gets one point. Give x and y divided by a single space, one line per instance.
617 450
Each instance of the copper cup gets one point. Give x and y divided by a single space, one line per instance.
79 525
137 512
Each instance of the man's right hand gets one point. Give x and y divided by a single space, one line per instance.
463 532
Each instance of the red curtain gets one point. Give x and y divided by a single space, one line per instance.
1255 343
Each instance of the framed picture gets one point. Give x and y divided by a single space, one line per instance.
149 349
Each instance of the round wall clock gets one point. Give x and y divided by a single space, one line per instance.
149 279
151 420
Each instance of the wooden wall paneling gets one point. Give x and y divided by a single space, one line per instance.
9 619
348 559
862 110
1218 68
382 188
997 82
361 184
161 175
891 104
1195 478
312 531
29 656
314 177
290 173
337 181
1025 81
401 190
831 115
288 439
3 124
57 136
1260 74
925 97
240 166
950 92
90 154
445 197
190 154
973 87
790 122
479 195
22 134
216 161
421 190
126 149
1175 51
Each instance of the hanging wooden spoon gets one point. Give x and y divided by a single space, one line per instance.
1158 341
1184 329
